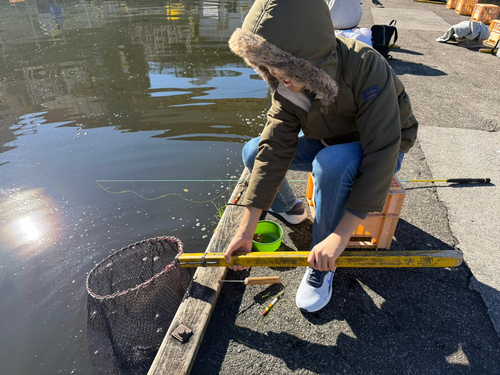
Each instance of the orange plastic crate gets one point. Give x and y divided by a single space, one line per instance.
465 7
485 13
495 24
494 33
377 230
451 4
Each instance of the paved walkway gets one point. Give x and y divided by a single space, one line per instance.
396 321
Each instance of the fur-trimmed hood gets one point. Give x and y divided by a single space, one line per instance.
275 35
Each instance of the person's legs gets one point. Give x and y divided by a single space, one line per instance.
334 169
306 151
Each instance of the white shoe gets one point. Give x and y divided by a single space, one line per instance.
296 215
315 290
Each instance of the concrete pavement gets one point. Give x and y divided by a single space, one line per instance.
455 98
396 321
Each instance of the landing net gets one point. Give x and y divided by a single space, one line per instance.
133 296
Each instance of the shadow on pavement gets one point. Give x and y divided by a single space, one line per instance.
406 51
379 321
410 237
408 67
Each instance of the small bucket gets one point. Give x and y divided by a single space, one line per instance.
268 236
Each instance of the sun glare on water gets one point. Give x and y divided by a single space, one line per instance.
29 221
27 229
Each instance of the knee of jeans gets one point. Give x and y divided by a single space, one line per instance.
327 169
250 151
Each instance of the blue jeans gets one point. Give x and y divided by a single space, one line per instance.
334 169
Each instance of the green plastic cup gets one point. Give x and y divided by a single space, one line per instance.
270 233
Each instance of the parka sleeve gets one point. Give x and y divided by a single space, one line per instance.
378 121
277 149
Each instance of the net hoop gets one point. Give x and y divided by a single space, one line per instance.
170 239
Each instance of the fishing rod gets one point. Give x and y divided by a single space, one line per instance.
451 180
456 180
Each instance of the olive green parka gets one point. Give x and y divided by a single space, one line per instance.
356 96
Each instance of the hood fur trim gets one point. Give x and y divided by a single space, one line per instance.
262 55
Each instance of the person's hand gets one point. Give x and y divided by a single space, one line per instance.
323 256
241 243
243 240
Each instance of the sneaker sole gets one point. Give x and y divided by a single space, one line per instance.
330 292
295 219
319 308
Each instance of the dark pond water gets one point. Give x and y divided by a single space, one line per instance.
108 90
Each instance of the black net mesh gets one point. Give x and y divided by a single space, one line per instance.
133 296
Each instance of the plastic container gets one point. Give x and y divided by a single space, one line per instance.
465 7
485 13
271 236
451 4
494 25
494 34
377 230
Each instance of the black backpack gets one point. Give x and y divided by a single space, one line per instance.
381 38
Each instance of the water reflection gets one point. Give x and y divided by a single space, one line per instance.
218 83
90 90
50 16
116 60
29 222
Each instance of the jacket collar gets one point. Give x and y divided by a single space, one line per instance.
262 55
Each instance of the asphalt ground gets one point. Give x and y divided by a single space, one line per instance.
395 321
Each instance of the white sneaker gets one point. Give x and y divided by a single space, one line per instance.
296 215
315 290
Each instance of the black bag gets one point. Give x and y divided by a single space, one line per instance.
381 38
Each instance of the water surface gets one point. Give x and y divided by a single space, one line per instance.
108 90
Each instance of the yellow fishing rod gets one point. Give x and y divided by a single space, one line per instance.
453 180
357 259
241 181
456 180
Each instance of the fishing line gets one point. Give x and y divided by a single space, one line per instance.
457 180
220 43
164 195
230 180
451 180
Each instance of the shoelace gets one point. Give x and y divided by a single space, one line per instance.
316 277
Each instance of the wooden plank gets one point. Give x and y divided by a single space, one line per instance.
355 259
197 306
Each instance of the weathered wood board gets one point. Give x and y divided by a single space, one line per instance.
196 308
